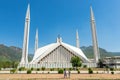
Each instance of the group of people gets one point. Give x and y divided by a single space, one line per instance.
66 74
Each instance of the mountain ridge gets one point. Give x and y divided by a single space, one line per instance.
11 53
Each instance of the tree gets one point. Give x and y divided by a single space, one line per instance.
76 61
14 64
6 64
100 64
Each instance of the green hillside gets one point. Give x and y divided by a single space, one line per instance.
88 51
10 53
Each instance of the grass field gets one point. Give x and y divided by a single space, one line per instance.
58 77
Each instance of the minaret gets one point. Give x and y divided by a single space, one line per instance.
36 40
24 59
77 40
94 37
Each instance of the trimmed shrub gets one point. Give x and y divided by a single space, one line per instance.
111 69
51 69
48 72
112 72
84 66
60 71
78 72
12 71
77 69
38 69
21 69
57 68
90 71
29 71
70 69
43 68
32 69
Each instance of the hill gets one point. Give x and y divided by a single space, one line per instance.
10 53
14 53
88 51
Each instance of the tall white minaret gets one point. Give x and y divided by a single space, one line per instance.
24 59
77 40
94 37
36 40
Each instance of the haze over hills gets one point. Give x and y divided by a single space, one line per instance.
13 53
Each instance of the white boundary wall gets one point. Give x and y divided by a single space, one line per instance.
54 65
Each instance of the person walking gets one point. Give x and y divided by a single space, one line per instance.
65 74
69 73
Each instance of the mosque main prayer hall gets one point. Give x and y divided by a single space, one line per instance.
58 54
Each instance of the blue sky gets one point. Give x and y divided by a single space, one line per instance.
54 17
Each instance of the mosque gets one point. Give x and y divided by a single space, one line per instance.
58 54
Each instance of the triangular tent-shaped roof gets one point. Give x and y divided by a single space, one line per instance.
43 51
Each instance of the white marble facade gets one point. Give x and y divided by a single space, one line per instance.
57 55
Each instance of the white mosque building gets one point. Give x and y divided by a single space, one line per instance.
58 54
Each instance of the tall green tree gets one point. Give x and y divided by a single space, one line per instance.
14 64
76 61
7 64
100 63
